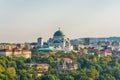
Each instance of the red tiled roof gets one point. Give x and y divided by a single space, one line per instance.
5 50
42 65
17 51
9 51
66 59
26 51
108 51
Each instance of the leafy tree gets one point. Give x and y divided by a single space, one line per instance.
92 73
2 69
49 77
106 77
3 77
11 71
68 78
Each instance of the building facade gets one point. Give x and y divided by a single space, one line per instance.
60 41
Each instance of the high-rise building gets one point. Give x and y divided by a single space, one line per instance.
40 42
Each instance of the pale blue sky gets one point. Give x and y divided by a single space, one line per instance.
25 20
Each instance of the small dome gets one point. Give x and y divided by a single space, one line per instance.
58 33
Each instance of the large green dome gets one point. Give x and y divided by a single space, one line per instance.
58 33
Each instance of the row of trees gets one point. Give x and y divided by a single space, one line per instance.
90 67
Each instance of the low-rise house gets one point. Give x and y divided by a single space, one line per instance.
66 65
68 60
11 46
63 67
7 46
22 53
73 66
26 53
41 68
75 47
6 53
16 53
84 51
78 46
105 52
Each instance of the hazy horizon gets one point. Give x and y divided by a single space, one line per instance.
26 20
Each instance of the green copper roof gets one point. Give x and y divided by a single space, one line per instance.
45 49
58 33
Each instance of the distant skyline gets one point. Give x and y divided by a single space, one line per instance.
26 20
